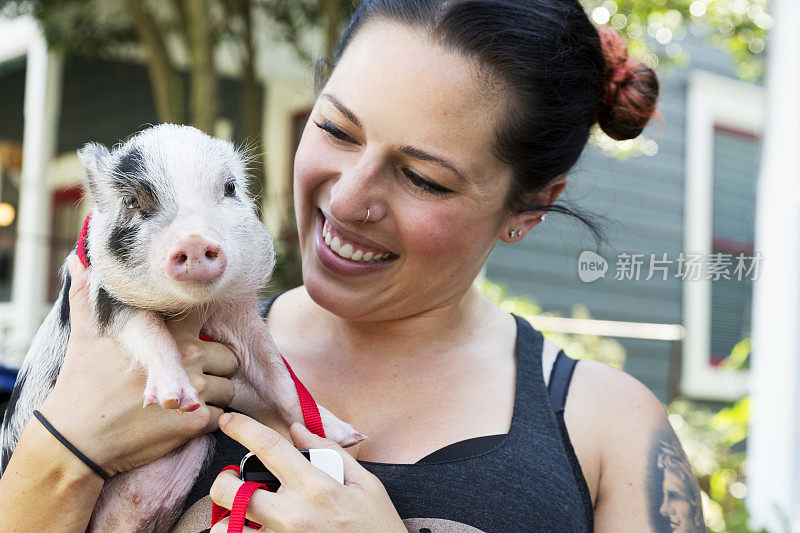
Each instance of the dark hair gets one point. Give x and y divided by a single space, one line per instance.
561 73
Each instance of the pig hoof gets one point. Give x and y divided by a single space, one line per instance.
188 401
171 394
341 432
149 399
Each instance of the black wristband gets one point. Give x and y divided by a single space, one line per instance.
91 464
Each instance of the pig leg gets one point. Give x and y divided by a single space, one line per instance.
244 331
149 498
147 340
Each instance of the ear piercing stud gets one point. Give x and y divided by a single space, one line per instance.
518 233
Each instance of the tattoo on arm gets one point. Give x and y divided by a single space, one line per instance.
673 492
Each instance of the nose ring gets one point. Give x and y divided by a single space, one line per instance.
365 220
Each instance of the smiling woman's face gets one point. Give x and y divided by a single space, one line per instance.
401 128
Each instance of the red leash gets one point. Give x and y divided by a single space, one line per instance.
237 519
80 248
311 418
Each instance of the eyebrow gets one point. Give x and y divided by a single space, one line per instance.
411 151
416 153
343 108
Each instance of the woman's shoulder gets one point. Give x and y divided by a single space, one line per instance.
613 420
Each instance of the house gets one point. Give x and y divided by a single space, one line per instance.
690 193
670 211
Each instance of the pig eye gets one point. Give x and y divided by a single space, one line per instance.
230 188
130 201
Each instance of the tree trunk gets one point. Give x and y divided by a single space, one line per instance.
251 103
332 13
204 99
165 82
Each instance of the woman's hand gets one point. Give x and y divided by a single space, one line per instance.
308 499
97 402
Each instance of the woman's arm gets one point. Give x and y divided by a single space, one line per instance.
44 481
646 482
96 405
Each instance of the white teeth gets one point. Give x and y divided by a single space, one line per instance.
346 251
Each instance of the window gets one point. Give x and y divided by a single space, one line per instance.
723 128
736 157
64 229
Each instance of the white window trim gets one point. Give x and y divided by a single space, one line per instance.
711 100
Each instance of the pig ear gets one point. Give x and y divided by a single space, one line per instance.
95 157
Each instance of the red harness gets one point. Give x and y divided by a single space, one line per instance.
310 416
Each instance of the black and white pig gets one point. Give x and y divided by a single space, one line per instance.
172 231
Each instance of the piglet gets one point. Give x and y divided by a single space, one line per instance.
172 231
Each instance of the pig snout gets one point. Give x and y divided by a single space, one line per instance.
196 258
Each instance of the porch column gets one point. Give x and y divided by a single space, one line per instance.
41 113
773 445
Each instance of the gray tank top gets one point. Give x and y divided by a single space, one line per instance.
528 480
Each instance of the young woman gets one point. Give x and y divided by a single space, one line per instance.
441 127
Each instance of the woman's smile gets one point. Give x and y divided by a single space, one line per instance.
346 253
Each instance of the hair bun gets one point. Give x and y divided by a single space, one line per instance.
630 90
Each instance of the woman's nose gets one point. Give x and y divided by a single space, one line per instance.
355 191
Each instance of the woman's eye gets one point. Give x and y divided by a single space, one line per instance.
427 186
230 188
332 130
130 202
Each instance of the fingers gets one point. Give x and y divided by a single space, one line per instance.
213 423
264 507
219 360
277 453
79 307
209 357
213 390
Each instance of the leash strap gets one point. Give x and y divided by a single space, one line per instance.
311 415
237 520
313 422
310 410
81 246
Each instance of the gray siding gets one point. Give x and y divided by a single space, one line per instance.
644 199
107 101
12 95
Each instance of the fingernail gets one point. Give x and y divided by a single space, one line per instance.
223 419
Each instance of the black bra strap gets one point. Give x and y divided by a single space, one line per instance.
264 305
560 376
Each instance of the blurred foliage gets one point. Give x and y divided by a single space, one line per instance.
715 445
578 346
714 440
654 28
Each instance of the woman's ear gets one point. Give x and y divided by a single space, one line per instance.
520 224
